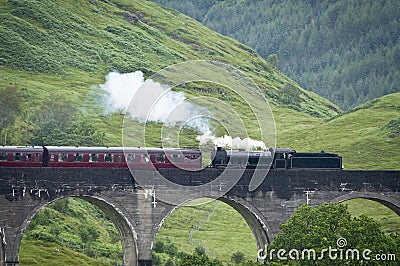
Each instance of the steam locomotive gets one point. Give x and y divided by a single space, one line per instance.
276 158
150 158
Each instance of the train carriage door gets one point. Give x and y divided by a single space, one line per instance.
45 157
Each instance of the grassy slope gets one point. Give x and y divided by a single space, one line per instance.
68 223
221 232
43 62
39 253
361 135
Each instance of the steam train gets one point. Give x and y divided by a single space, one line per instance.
276 158
150 158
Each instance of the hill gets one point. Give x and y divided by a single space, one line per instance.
60 50
367 136
346 51
53 55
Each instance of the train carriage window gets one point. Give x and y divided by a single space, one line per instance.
175 158
78 157
119 158
93 157
17 156
3 156
36 157
190 157
28 157
63 157
131 158
52 157
160 158
145 158
108 158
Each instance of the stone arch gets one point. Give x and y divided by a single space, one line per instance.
125 228
254 219
390 202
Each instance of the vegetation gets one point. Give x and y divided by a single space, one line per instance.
39 253
57 51
331 225
75 225
53 55
346 51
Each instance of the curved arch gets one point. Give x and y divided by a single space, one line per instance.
124 227
391 203
253 218
251 215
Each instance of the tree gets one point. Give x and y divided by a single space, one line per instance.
237 257
199 260
273 59
61 123
199 250
330 227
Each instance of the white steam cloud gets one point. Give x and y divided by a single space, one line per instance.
121 88
232 143
154 102
157 103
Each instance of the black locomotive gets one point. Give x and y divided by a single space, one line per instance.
276 158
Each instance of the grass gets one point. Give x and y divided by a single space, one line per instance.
46 253
215 226
60 50
360 136
77 226
389 221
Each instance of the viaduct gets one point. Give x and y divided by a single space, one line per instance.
138 214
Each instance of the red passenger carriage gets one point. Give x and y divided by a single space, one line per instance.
100 157
24 156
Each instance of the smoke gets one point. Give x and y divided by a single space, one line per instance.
228 142
121 88
156 103
153 102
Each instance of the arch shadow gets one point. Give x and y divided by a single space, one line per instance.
125 228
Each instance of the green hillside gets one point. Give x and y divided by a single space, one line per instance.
346 51
53 54
367 136
62 49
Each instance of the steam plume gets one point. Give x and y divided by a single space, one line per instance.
167 106
232 143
